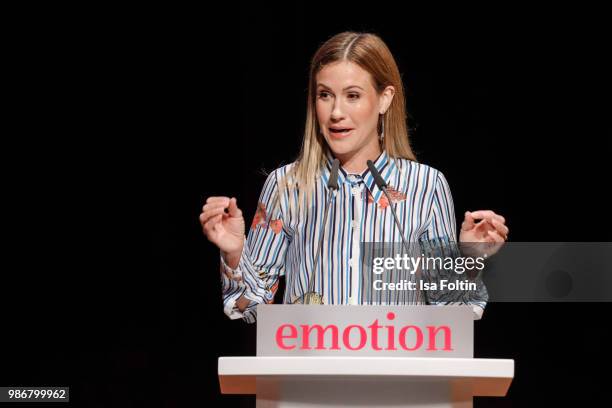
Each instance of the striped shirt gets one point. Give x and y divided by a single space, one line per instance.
279 243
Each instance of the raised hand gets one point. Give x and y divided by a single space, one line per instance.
223 224
488 234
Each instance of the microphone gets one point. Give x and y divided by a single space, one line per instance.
382 185
312 297
332 183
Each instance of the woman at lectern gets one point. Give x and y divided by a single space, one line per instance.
356 113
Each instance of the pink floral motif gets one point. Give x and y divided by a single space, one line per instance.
273 289
261 217
383 203
276 225
395 195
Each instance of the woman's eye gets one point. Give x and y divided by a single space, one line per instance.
323 95
353 96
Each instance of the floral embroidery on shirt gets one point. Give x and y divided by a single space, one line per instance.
383 202
261 219
260 216
237 276
395 195
273 290
276 225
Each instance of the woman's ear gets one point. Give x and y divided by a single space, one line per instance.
385 99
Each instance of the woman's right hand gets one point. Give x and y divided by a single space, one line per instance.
224 229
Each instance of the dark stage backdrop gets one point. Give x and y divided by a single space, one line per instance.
114 290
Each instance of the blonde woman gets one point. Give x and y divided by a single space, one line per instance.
356 112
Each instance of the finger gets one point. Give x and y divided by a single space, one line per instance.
209 207
496 237
207 215
209 226
234 211
468 222
487 223
217 200
480 214
487 214
216 203
483 225
214 210
501 228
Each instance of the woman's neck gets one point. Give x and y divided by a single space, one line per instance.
357 163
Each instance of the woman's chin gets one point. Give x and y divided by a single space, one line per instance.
340 149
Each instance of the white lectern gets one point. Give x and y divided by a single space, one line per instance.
328 356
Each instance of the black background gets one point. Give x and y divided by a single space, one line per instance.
126 120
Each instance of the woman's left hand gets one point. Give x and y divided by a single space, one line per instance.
491 229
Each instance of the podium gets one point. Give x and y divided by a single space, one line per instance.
324 356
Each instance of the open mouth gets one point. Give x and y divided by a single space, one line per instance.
340 132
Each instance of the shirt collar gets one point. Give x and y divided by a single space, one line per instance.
384 164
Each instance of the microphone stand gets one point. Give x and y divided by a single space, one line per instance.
382 185
312 297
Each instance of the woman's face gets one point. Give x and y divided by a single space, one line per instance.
348 106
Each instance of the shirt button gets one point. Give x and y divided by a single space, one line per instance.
354 224
352 300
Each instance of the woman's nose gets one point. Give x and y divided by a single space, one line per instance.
337 111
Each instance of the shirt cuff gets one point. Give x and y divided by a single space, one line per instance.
478 311
231 309
230 276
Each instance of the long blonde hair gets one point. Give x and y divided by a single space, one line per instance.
370 53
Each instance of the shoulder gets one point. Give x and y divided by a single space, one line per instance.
279 176
420 173
283 170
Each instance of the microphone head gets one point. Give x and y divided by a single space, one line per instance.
380 182
332 183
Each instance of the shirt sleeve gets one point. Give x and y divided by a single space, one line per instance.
440 240
262 260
